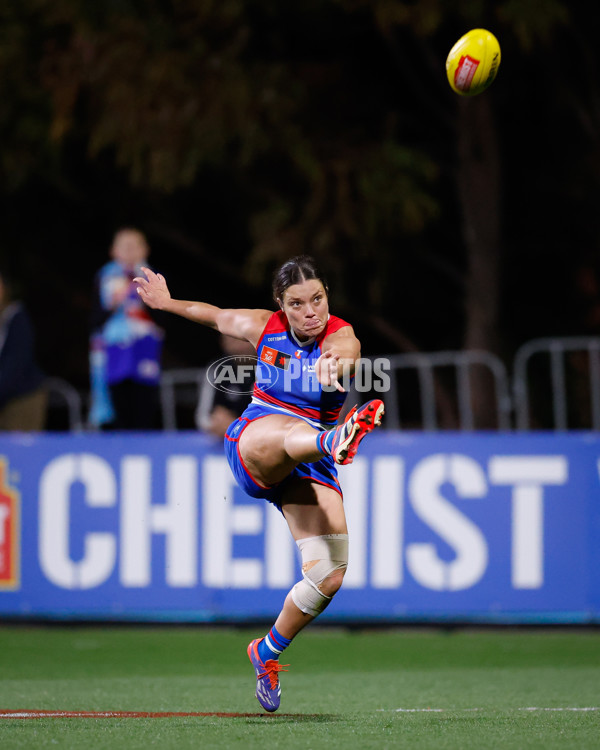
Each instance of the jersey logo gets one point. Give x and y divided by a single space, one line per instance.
298 353
9 531
275 357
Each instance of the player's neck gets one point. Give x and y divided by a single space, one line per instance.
302 340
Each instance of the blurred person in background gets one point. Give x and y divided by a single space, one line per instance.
23 398
219 405
125 343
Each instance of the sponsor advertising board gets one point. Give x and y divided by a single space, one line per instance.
447 527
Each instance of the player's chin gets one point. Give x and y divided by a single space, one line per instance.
314 330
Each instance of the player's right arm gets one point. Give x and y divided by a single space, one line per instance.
241 324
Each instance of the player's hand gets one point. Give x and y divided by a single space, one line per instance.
326 370
153 289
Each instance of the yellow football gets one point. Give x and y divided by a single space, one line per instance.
473 62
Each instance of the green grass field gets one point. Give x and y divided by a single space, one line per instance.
345 689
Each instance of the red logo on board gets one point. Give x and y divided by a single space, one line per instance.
10 501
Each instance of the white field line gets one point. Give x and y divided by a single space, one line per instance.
458 710
59 714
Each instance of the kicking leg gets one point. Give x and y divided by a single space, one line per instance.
273 445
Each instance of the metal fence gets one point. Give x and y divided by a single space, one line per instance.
432 391
556 384
442 382
552 384
182 391
65 405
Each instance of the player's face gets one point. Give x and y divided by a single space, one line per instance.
307 308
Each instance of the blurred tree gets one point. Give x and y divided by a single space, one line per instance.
163 85
330 122
478 173
25 108
172 89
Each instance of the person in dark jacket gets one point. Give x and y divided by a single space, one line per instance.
23 398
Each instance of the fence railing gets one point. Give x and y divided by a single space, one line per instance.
442 382
563 372
64 398
552 384
182 390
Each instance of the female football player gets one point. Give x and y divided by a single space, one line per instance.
286 444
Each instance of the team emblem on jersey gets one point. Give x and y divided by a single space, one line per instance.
275 357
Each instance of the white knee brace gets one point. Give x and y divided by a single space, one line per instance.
331 553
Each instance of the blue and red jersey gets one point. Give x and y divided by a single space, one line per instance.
285 373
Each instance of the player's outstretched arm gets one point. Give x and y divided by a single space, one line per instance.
241 324
153 289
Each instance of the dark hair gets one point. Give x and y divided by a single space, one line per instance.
295 271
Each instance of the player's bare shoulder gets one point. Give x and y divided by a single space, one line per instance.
345 337
257 325
243 323
343 331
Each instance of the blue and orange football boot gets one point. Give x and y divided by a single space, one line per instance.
268 689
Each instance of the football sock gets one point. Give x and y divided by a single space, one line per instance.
272 645
325 441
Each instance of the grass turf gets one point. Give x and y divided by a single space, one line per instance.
408 688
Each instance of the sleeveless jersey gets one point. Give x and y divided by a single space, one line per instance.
285 374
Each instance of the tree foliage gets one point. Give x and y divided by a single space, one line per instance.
170 88
329 122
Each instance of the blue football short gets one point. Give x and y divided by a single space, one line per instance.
322 472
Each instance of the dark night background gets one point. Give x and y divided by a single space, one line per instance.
237 134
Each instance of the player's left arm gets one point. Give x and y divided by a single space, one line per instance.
340 350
